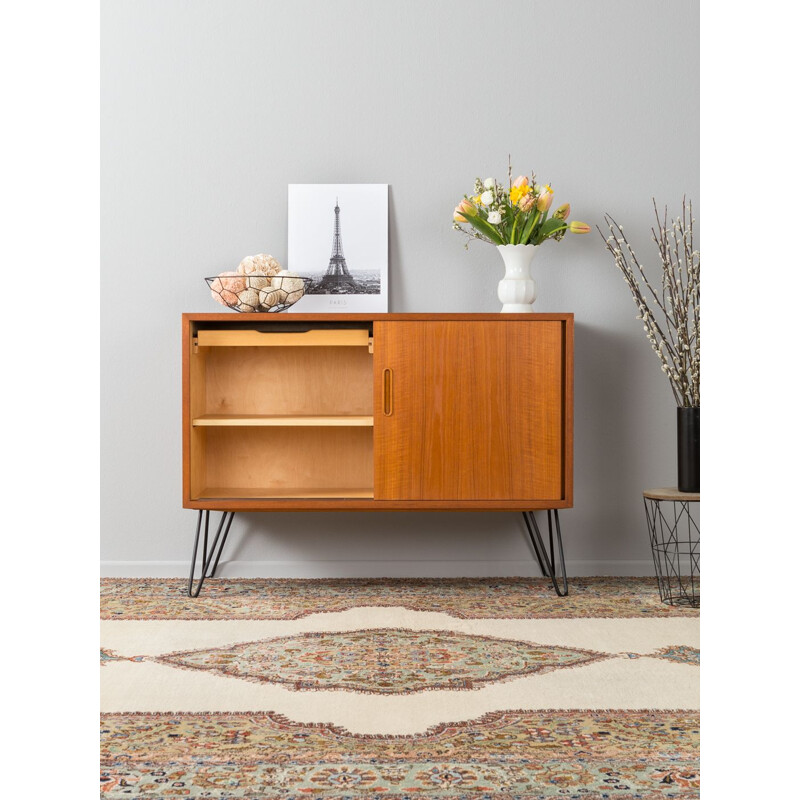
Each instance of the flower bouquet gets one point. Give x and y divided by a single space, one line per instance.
518 215
517 221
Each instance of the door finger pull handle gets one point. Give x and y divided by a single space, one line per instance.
388 401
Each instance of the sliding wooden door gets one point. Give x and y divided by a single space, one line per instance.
469 410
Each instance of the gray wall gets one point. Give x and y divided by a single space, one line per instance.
209 110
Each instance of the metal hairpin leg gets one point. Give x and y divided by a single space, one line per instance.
548 564
208 555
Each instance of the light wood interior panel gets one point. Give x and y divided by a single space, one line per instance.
287 462
261 493
282 420
197 403
357 337
288 380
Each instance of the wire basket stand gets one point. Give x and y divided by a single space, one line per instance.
675 543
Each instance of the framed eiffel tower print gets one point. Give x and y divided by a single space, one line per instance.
339 237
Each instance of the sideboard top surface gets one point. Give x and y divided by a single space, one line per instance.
342 317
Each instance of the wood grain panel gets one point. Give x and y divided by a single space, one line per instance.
476 410
287 461
313 502
281 421
254 338
238 320
569 395
270 493
288 380
186 410
197 402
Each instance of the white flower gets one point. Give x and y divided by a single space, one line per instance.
487 198
494 217
489 183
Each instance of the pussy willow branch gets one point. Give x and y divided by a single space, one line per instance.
671 317
471 234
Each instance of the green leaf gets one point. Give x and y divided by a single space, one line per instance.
486 228
513 239
529 225
549 228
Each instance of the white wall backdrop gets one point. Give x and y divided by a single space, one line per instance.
210 108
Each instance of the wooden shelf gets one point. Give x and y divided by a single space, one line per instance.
227 493
283 420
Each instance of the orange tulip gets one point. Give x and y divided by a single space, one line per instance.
464 207
545 200
520 181
527 203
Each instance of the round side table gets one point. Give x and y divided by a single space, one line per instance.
675 542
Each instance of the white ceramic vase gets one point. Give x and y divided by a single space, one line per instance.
517 290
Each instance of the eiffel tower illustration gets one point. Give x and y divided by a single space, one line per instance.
338 278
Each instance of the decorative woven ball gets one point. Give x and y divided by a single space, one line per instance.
221 295
269 264
269 298
258 280
248 300
232 281
262 263
289 282
247 266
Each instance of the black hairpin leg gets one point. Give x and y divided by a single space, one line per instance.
548 563
208 555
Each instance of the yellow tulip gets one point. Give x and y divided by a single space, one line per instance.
562 212
579 227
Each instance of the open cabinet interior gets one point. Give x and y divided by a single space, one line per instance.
281 414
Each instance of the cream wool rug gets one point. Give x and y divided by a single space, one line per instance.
465 688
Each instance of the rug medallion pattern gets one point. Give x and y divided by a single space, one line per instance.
383 660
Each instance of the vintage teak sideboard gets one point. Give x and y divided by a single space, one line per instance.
377 412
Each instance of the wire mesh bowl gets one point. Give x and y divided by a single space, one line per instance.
257 293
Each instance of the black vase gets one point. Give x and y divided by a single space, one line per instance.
689 449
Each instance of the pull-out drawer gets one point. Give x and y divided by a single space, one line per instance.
346 337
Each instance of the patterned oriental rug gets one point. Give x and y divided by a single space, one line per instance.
425 688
